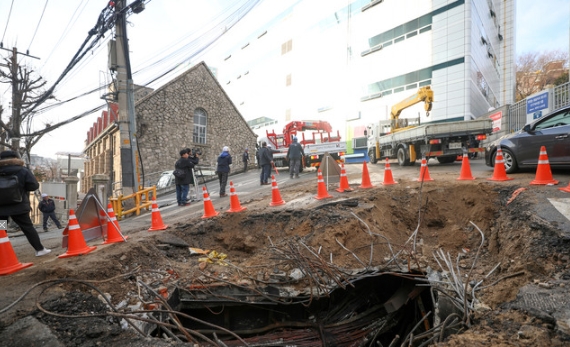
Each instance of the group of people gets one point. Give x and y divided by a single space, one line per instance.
264 156
294 156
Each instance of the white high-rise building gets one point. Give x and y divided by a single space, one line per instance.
348 61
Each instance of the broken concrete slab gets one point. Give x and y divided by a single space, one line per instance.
27 332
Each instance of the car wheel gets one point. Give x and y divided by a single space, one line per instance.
510 161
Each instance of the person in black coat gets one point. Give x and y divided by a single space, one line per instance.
185 164
265 160
223 169
11 164
47 207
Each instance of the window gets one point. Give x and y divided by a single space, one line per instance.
286 47
288 80
200 123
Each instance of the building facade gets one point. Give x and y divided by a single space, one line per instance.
349 62
191 111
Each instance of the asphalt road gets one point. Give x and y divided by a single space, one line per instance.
554 204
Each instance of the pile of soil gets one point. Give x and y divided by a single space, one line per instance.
503 246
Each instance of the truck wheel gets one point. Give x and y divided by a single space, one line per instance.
372 156
446 160
403 158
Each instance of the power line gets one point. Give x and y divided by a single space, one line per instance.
38 26
105 22
66 31
7 21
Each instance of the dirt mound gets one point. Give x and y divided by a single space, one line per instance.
405 227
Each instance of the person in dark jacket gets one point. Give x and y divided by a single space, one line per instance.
194 157
294 156
183 183
47 206
11 164
223 169
265 160
245 159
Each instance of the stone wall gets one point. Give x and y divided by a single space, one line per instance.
165 122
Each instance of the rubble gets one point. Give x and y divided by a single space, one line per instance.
407 264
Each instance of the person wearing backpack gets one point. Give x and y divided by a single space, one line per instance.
18 207
183 177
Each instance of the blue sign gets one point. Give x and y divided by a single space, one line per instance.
537 103
537 115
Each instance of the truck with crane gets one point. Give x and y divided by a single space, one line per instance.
406 139
316 137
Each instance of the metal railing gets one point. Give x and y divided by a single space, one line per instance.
517 112
141 200
561 95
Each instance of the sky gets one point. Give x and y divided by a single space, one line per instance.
161 37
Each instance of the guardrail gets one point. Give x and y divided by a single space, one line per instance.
142 200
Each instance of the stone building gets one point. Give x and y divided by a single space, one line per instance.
191 111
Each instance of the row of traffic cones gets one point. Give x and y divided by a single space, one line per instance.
76 244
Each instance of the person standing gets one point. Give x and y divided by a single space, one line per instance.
265 160
183 165
194 157
47 207
294 155
19 211
257 149
223 169
245 159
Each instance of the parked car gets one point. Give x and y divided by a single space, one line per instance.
522 148
166 179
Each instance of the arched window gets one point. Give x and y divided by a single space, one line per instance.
200 123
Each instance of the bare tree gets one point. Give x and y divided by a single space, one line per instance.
538 71
26 92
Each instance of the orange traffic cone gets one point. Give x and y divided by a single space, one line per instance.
499 173
365 177
8 261
543 173
343 185
322 192
465 173
76 244
113 230
565 189
209 210
424 172
388 179
275 195
156 219
235 206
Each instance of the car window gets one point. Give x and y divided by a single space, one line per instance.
557 120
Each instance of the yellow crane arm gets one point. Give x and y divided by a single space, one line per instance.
424 94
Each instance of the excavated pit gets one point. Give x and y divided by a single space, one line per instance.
371 310
385 265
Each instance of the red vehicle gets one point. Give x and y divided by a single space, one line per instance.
315 143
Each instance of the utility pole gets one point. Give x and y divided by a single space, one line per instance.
125 92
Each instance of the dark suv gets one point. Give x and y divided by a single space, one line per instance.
522 148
